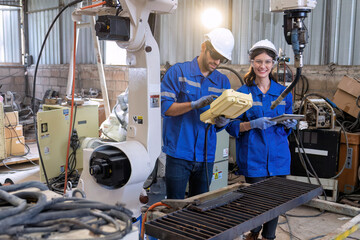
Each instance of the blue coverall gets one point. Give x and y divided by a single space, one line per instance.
184 135
263 153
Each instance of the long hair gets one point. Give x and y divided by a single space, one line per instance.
250 75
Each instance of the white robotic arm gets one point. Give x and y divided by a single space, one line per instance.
115 173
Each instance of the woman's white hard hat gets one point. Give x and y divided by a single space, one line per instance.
264 44
222 40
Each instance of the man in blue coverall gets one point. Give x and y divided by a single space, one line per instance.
187 90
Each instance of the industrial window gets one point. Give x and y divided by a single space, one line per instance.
10 37
114 55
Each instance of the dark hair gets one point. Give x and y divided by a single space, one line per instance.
250 75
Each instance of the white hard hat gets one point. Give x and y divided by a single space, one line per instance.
222 40
266 44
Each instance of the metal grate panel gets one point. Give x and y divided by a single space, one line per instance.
260 203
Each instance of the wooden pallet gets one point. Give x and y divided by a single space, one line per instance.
32 156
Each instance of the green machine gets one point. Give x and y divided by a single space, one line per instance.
221 164
53 132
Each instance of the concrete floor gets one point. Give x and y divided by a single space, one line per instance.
310 227
300 227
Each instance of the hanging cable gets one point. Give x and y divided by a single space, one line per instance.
34 84
71 112
205 160
94 5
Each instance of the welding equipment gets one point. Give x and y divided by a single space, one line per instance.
322 148
319 114
295 33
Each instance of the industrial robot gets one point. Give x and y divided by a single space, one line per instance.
115 173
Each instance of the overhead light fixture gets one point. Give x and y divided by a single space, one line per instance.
211 18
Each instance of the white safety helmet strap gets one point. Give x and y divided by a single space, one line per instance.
222 41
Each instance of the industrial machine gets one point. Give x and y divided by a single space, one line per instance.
221 163
322 149
295 33
115 173
51 123
319 114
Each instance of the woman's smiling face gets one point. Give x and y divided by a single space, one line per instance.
262 65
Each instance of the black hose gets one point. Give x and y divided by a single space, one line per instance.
153 176
34 85
20 186
20 204
205 160
45 216
287 90
27 214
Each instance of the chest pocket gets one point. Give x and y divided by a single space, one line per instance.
280 109
188 89
254 112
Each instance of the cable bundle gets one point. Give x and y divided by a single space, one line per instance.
43 217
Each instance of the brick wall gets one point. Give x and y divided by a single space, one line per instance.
12 79
55 77
322 79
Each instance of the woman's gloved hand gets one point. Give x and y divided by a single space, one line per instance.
221 121
289 123
262 123
203 101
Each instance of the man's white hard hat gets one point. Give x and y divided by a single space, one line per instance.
264 44
222 40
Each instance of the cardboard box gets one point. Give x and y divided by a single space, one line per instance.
11 118
346 95
12 131
15 146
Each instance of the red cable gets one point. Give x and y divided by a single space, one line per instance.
72 111
142 232
94 5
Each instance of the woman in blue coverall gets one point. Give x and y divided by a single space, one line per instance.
262 148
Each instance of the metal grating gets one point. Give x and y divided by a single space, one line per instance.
260 203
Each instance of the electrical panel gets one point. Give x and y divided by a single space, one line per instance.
221 164
53 132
